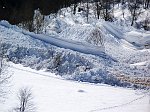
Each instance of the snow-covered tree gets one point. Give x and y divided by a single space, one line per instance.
4 77
38 21
135 10
25 98
96 37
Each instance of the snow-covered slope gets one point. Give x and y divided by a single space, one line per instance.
94 51
72 48
52 94
40 51
38 55
63 43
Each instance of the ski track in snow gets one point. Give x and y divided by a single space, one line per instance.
117 106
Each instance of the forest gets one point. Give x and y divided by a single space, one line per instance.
18 11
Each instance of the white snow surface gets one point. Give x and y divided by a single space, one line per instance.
68 36
53 94
63 43
77 43
73 35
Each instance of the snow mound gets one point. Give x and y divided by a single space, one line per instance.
138 37
38 54
83 33
56 26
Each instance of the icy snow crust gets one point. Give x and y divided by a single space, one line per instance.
77 50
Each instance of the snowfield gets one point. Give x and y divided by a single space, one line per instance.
53 94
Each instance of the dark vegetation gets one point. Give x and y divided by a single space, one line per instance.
16 11
22 11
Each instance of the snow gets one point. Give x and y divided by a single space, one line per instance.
76 46
80 51
53 94
139 64
92 51
73 45
137 37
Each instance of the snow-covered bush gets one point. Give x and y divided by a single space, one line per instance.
67 64
38 22
84 33
96 37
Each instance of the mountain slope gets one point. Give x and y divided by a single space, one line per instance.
77 46
41 52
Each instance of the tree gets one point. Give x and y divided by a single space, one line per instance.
107 10
146 24
25 98
4 77
75 6
96 37
38 21
146 4
98 8
87 10
104 8
134 8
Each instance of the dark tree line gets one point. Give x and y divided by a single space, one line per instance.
22 11
16 11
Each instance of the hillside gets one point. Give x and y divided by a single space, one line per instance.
96 52
93 56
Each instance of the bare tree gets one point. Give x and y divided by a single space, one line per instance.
75 6
4 77
26 103
104 8
134 8
87 10
146 24
146 4
98 8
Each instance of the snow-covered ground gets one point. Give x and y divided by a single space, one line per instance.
54 94
94 51
63 43
71 48
80 57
